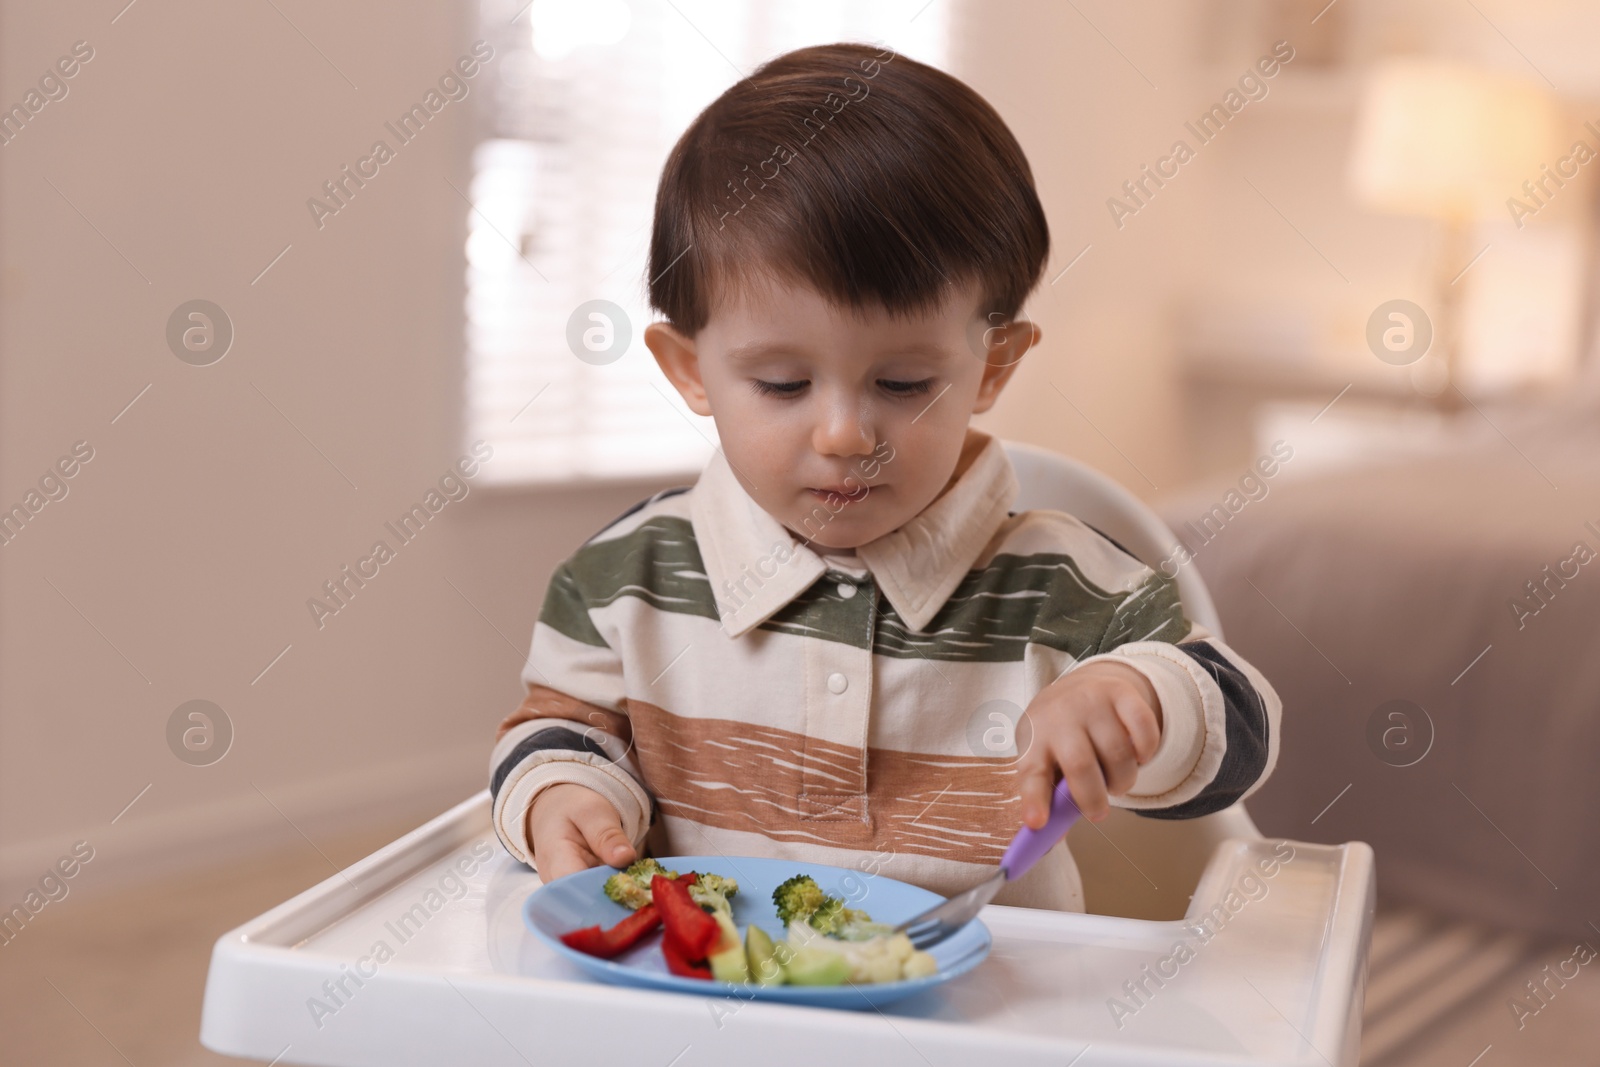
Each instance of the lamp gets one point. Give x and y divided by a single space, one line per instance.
1448 142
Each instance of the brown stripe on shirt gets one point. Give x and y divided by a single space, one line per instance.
542 702
747 776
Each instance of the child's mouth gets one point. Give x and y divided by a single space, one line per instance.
838 498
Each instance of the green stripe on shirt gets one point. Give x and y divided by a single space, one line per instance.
992 616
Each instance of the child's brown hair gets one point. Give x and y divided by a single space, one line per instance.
873 178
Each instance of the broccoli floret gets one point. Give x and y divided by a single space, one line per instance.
846 923
711 892
631 887
830 916
798 898
801 899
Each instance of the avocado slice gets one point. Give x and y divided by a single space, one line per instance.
727 957
816 966
762 957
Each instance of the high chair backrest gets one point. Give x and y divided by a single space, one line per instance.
1131 865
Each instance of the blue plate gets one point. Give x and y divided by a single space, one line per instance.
578 900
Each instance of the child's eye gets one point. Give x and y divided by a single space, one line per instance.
906 388
779 389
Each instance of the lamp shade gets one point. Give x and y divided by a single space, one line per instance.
1449 141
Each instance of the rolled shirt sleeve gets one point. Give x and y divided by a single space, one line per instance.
1220 716
571 728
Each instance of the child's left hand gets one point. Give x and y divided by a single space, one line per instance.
1098 723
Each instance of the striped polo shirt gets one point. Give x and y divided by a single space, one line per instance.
732 689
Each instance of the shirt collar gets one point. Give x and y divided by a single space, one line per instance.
756 565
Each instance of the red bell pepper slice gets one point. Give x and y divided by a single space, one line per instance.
678 961
695 931
613 942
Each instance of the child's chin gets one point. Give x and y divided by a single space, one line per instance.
849 537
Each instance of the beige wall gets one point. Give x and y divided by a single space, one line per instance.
1100 386
192 540
1090 110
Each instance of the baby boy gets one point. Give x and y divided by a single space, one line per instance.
812 653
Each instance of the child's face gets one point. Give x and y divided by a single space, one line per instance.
842 427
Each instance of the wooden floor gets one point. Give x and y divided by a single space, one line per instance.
1440 994
117 979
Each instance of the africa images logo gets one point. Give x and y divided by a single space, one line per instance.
342 188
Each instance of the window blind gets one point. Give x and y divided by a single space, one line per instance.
588 98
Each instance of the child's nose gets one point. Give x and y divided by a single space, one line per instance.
843 431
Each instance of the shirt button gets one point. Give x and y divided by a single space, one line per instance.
846 590
837 683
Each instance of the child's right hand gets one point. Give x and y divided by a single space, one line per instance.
572 828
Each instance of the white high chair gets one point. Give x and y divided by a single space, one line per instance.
1274 976
1123 858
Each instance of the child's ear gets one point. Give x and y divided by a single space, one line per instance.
675 355
1006 347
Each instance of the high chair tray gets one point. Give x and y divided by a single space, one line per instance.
418 955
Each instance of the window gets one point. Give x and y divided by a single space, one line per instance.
587 99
